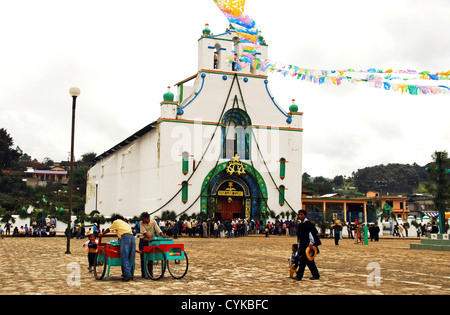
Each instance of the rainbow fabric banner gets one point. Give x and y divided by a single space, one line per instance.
403 81
396 81
234 12
245 28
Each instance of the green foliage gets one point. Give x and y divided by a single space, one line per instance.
324 222
319 185
392 178
88 157
438 184
168 215
8 156
15 194
10 183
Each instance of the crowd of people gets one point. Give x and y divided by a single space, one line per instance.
35 230
224 228
430 228
217 228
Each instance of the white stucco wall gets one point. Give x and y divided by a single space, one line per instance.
147 172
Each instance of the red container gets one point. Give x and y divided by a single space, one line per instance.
112 251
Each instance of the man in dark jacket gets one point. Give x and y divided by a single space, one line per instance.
307 236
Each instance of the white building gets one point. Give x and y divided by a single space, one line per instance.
222 146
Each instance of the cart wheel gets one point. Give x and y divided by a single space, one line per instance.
178 268
100 265
155 263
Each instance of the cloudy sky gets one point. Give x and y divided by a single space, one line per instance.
123 55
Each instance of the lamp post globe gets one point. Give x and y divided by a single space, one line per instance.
74 91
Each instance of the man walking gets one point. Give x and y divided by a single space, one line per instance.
307 237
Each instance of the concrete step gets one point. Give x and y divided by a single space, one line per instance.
430 247
435 242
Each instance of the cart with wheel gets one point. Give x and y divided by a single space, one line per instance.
108 255
162 253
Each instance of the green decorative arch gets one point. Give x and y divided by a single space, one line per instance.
250 170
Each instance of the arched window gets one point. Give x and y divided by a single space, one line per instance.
282 168
185 168
217 56
281 190
184 191
236 134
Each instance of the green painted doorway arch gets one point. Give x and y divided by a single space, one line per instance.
250 170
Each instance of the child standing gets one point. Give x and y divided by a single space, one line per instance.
92 245
293 263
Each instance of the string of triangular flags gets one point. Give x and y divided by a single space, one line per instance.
403 81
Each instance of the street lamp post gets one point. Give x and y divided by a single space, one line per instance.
96 195
74 92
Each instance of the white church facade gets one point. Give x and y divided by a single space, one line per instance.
222 147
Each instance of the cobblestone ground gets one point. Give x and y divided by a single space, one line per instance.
252 265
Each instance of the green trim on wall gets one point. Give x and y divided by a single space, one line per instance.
282 168
282 191
184 192
181 93
185 167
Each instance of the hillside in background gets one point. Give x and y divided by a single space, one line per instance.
393 179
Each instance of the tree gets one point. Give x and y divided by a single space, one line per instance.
338 181
48 162
8 156
439 185
88 157
396 178
306 178
324 222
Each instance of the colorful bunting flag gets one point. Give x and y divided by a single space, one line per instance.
386 79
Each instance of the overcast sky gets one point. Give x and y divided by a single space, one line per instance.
123 55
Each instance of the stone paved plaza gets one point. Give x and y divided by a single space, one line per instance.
252 265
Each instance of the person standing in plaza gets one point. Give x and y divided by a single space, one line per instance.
148 230
221 229
371 232
92 246
97 221
48 223
376 230
307 237
175 229
357 232
189 227
336 228
216 229
8 228
127 244
350 230
205 229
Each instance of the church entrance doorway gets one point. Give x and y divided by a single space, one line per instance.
229 208
234 190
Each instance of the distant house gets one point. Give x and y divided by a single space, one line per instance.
42 177
349 209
